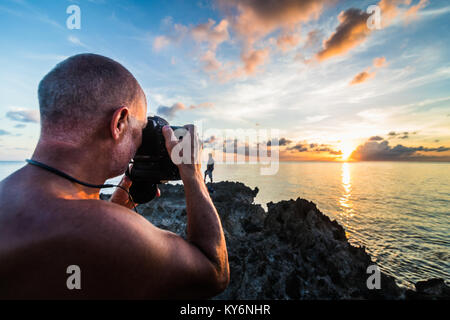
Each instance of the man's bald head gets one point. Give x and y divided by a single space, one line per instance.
84 89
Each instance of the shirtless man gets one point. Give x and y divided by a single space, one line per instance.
92 115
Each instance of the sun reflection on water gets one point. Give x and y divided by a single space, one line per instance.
345 201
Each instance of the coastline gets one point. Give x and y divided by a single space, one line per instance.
290 251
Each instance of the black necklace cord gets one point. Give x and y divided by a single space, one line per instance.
70 178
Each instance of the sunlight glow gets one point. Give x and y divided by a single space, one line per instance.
345 201
346 148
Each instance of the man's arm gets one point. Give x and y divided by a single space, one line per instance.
204 229
135 259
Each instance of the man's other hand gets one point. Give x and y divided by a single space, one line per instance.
120 197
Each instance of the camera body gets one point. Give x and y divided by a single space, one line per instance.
152 163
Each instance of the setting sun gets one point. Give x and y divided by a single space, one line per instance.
346 149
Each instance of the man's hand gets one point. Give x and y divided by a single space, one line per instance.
120 197
190 165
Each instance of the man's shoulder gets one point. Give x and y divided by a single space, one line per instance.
103 214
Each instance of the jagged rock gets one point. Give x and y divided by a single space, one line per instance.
432 289
292 251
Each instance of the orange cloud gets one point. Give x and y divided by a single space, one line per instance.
213 35
362 77
257 18
286 41
352 31
253 59
252 20
412 11
380 62
389 9
367 74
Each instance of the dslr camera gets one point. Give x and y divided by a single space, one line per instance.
152 164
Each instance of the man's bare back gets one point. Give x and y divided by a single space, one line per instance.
48 223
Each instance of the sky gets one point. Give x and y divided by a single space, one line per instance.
337 83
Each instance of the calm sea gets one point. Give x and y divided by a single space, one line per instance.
400 211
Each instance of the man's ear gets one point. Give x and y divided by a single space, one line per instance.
119 122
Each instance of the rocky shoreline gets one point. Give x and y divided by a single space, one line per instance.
290 251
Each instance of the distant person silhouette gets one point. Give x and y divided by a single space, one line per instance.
209 168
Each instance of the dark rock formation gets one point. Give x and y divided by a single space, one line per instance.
292 251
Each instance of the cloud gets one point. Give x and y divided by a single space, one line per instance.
254 19
170 112
210 62
392 9
160 42
312 39
253 59
286 41
251 21
314 119
315 148
76 41
210 140
281 142
400 135
362 77
376 138
412 11
299 147
19 126
389 9
367 74
373 150
210 33
175 34
379 62
4 133
352 31
23 115
329 150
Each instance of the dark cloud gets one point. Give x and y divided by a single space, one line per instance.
299 147
242 148
352 31
23 115
314 147
281 142
373 150
400 135
329 150
376 138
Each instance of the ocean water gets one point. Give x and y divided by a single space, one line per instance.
400 211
